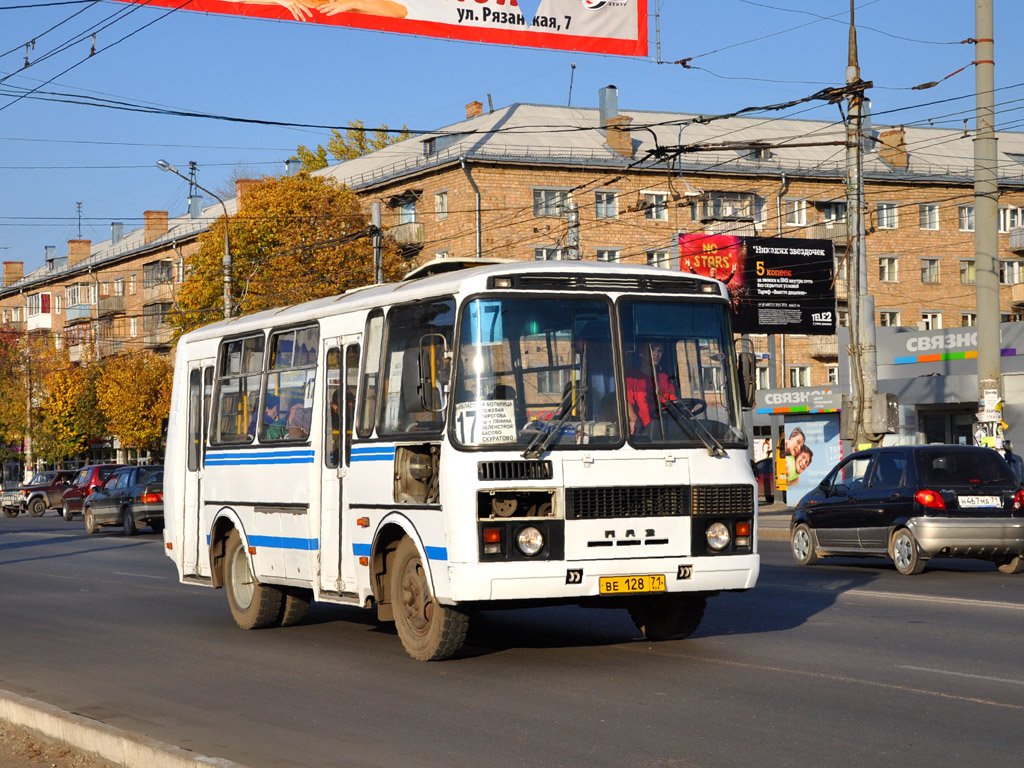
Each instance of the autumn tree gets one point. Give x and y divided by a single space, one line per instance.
68 417
296 238
355 142
134 395
13 392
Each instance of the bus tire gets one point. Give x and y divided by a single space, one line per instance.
429 631
668 617
253 605
294 605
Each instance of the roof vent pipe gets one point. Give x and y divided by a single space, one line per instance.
116 232
195 206
608 103
51 254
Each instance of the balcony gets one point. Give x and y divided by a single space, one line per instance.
13 325
40 321
1017 239
110 305
160 337
1017 294
76 353
842 289
823 347
76 313
108 347
411 233
836 231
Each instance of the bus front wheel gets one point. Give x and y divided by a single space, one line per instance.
668 617
429 631
252 604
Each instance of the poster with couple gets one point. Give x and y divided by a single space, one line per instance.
811 447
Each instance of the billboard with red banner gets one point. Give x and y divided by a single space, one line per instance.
777 284
596 26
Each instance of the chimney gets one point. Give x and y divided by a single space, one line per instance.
195 206
292 166
156 225
608 104
892 147
78 251
242 188
620 137
13 272
474 109
51 255
116 232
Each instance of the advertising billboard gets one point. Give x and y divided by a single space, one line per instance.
596 26
777 285
810 449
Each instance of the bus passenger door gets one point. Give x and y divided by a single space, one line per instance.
200 390
342 374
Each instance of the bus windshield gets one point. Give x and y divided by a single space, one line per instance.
543 373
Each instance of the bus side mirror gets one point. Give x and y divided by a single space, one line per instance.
748 379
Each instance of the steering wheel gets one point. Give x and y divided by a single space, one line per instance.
695 405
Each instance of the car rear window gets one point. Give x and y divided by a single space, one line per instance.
983 466
104 472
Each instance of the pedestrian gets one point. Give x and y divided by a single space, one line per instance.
1016 462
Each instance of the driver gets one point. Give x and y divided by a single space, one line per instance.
640 386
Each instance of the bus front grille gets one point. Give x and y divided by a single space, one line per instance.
723 500
627 501
514 470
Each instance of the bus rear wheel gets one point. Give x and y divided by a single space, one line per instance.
668 617
252 604
429 631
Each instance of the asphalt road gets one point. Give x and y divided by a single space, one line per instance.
839 664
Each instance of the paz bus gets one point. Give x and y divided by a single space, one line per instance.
475 436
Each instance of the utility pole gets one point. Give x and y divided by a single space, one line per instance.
378 244
863 352
986 212
572 250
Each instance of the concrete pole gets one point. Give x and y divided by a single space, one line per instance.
378 244
986 211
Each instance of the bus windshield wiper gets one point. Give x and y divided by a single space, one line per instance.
575 392
714 447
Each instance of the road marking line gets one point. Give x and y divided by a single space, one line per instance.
839 592
140 575
963 674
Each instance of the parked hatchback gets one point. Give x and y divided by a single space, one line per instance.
86 479
131 497
42 492
914 503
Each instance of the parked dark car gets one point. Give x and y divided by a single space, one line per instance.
86 479
131 497
914 503
42 492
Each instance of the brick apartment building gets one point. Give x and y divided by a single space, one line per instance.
500 184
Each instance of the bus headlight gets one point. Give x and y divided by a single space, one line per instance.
717 536
530 540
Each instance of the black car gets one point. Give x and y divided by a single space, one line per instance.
130 497
913 503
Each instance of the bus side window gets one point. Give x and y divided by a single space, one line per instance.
332 422
195 419
351 379
371 372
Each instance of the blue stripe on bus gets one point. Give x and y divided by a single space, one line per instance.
373 454
433 553
284 542
235 458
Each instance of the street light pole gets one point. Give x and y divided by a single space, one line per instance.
226 261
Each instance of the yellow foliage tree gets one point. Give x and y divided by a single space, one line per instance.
355 142
134 395
68 418
296 238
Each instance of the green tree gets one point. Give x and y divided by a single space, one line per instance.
296 238
134 395
355 142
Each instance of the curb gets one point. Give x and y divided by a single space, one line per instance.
125 748
773 533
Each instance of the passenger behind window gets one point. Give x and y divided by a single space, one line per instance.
299 419
274 427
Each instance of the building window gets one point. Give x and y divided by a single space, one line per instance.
550 202
407 212
843 317
887 269
179 271
1010 217
833 374
730 206
800 376
888 319
887 216
441 205
929 270
661 259
968 319
606 205
608 254
796 212
57 304
966 216
967 272
763 377
71 294
547 254
105 288
1009 272
656 206
38 304
833 211
929 213
119 286
133 327
131 285
156 273
441 254
930 321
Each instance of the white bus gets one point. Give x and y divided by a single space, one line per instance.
497 436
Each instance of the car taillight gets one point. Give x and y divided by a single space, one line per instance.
929 499
152 498
1018 500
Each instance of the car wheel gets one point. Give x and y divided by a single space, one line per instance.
253 605
37 507
429 631
90 521
905 554
11 512
128 522
802 541
1011 565
68 514
668 617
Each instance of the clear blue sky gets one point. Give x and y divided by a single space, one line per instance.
53 154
